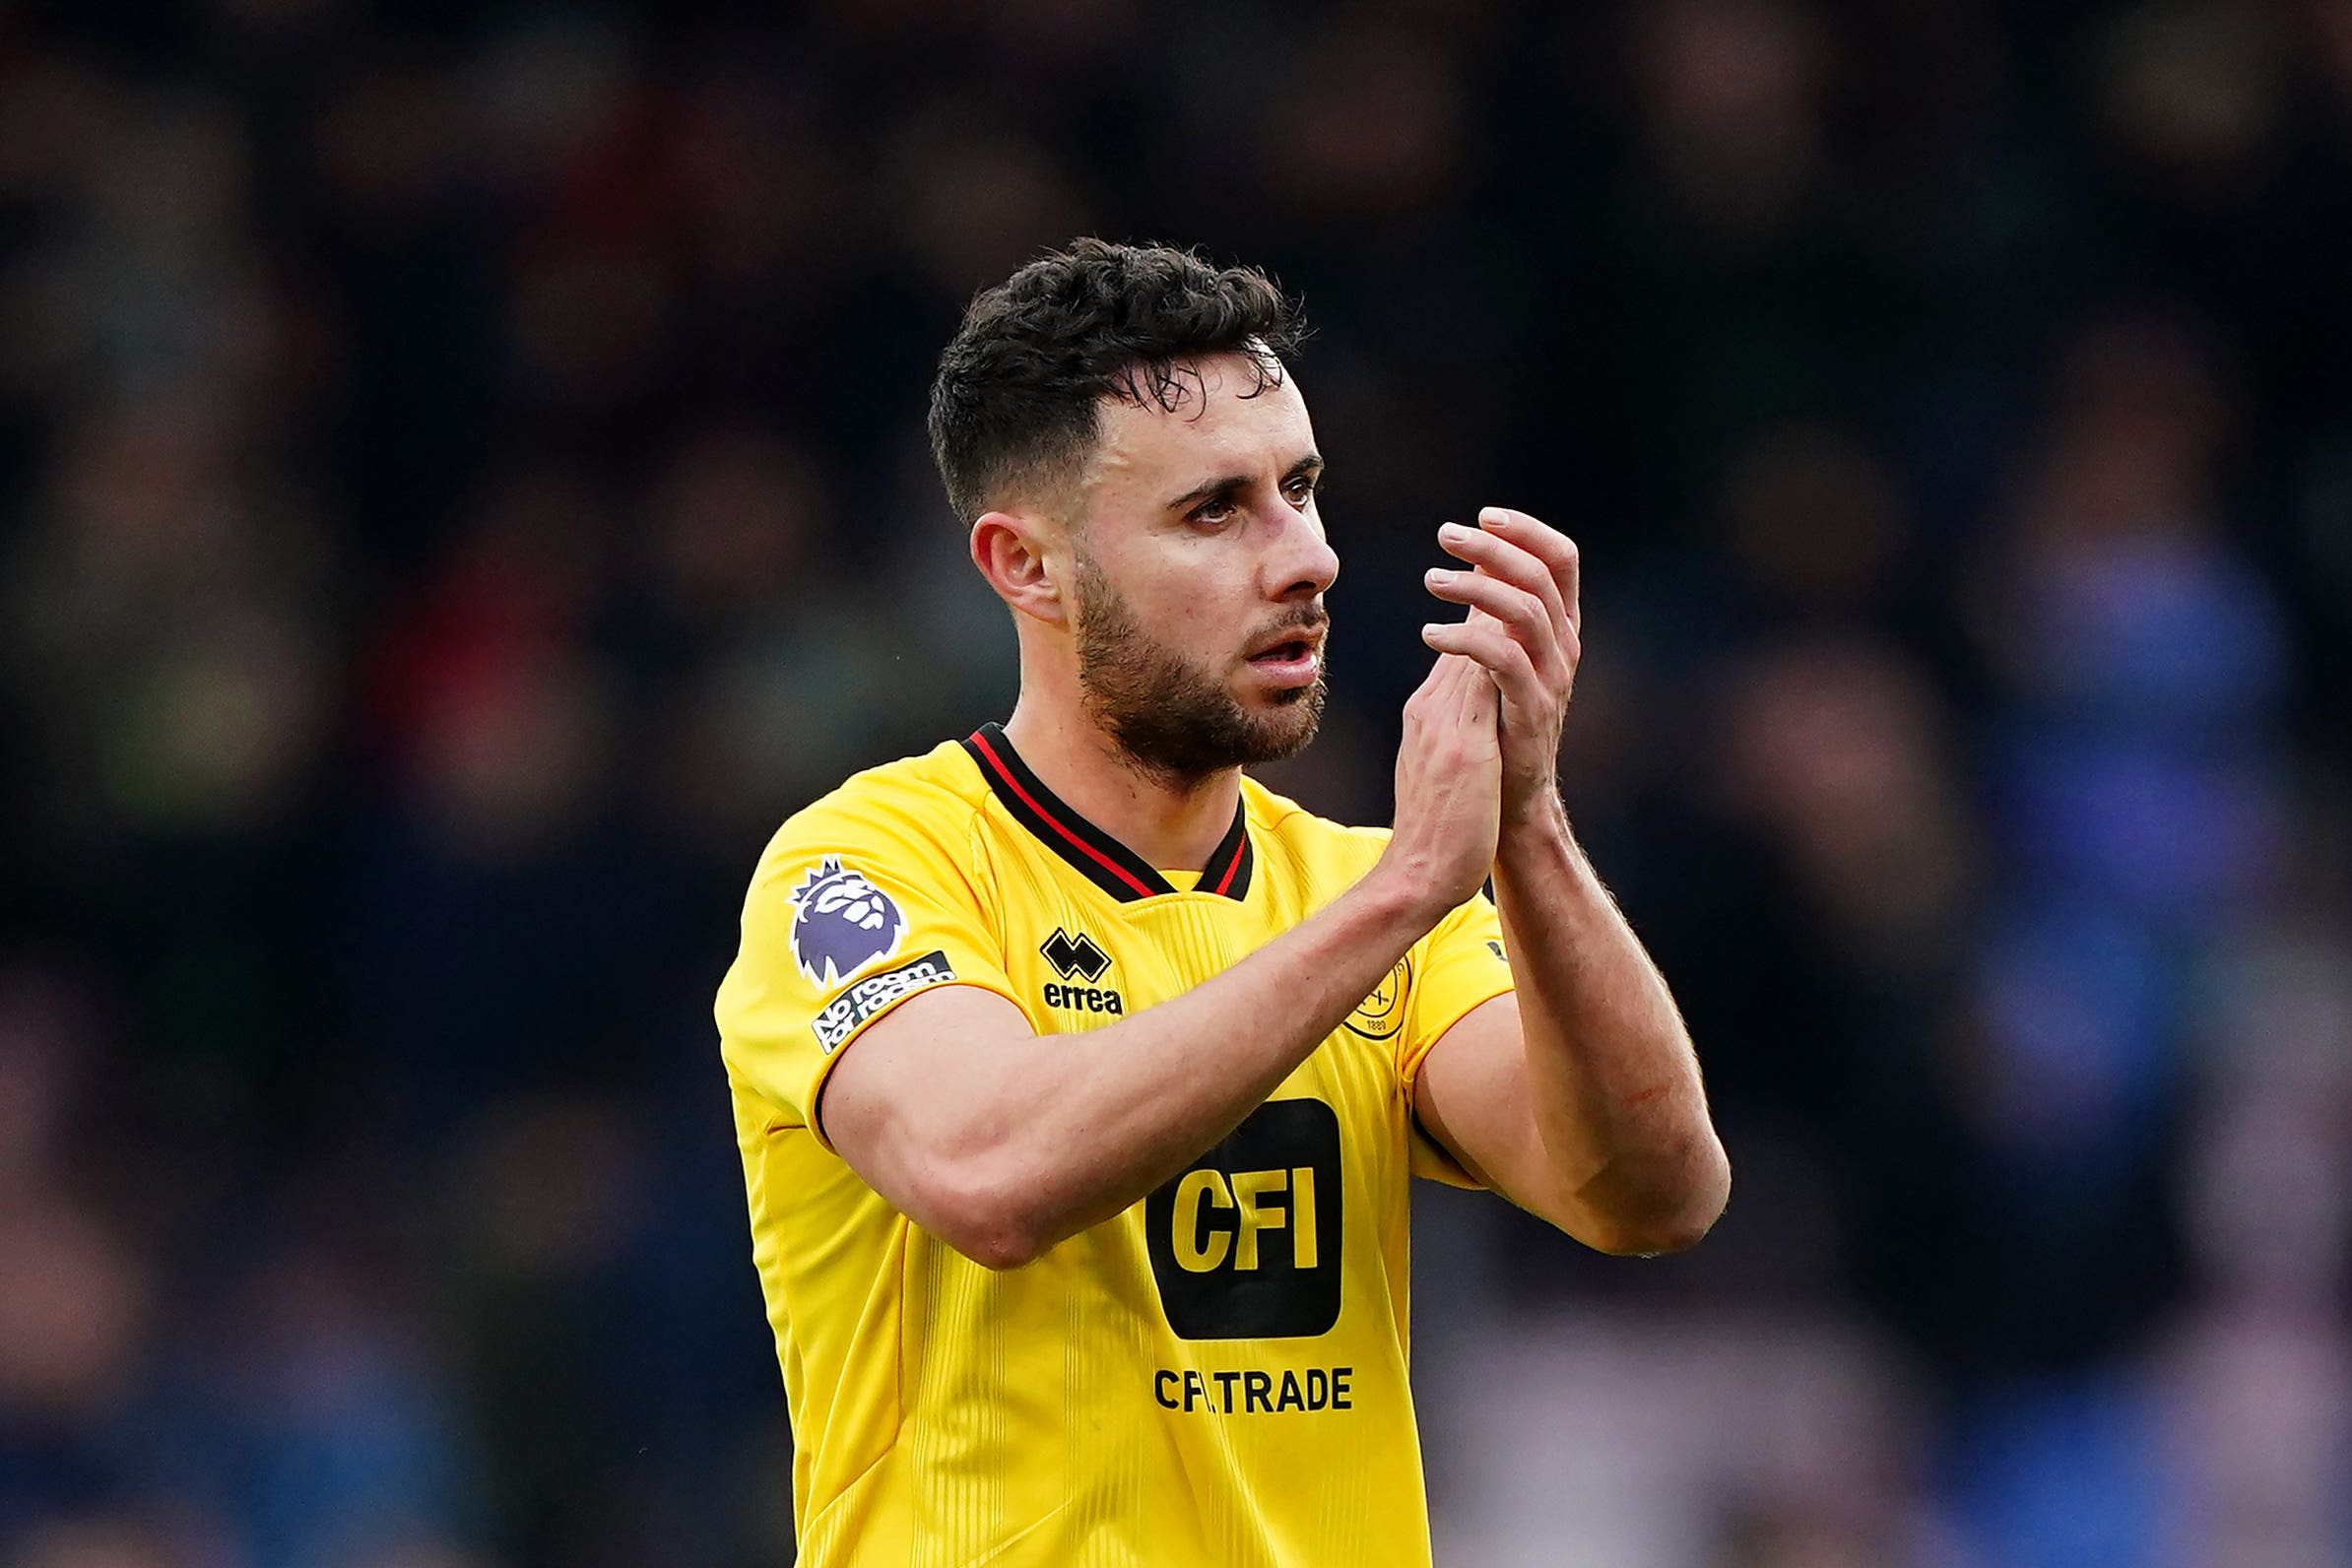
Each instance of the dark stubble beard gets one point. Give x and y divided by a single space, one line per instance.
1177 723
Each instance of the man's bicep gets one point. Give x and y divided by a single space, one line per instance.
1470 1095
912 1084
1457 985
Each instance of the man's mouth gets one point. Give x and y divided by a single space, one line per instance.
1295 661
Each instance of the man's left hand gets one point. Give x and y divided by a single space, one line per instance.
1523 629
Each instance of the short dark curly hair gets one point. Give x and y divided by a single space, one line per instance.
1015 407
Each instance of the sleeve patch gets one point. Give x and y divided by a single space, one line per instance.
842 921
843 1016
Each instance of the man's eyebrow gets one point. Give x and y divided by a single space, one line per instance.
1221 485
1226 484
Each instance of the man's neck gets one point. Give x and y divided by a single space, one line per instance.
1172 826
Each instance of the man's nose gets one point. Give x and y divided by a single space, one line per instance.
1303 563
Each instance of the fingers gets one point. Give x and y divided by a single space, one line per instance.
1514 563
1495 652
1476 695
1550 647
1456 690
1514 607
1442 687
1443 693
1463 685
1558 552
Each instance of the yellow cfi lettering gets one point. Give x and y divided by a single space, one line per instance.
1302 1203
1249 1186
1191 1253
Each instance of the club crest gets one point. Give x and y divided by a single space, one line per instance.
1382 1014
842 921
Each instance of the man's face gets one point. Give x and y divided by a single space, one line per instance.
1200 570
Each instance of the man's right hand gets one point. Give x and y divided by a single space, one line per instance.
1449 788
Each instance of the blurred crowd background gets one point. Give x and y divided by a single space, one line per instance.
461 485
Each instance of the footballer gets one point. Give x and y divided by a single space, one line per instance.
1079 1080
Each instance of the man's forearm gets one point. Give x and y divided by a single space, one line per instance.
1614 1082
1099 1120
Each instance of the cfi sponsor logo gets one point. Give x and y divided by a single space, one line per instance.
1247 1244
842 921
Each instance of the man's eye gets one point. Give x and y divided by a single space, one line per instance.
1215 511
1302 491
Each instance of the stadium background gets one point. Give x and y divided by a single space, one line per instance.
463 485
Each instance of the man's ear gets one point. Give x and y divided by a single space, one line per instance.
1012 551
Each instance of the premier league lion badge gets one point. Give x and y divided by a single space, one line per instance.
842 921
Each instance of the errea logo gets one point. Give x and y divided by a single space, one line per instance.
1077 958
1075 955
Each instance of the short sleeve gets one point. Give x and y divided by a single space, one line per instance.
1458 966
855 907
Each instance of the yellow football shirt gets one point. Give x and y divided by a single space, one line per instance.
1216 1376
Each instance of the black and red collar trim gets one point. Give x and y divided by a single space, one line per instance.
1105 861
